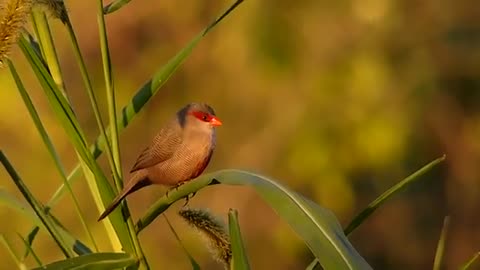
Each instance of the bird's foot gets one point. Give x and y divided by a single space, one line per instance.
174 187
188 197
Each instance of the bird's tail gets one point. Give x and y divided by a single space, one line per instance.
138 180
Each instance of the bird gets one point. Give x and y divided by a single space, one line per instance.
179 152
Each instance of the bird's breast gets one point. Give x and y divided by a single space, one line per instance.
188 162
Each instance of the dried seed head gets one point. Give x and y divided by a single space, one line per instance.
213 230
14 14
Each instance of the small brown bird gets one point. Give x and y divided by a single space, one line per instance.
179 152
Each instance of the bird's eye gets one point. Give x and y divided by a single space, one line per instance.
205 117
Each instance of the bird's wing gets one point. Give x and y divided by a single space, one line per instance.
162 148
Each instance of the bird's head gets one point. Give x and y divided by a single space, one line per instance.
198 115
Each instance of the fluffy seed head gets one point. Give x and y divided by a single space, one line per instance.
213 231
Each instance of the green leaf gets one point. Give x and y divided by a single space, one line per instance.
30 237
313 265
94 261
470 262
12 202
114 6
143 95
239 256
194 263
441 245
360 218
317 226
30 250
12 253
37 207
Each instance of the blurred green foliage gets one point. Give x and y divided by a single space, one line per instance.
340 98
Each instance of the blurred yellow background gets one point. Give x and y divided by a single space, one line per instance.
338 100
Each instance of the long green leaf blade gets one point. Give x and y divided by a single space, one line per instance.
95 261
317 226
389 193
470 262
30 250
37 207
239 255
30 237
441 245
195 265
23 209
9 248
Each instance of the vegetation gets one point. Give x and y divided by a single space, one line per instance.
317 226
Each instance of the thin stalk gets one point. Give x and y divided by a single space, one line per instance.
437 263
110 93
9 248
88 86
30 249
116 168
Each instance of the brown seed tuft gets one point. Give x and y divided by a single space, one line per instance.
14 14
213 230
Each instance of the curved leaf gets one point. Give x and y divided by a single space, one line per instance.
95 261
317 226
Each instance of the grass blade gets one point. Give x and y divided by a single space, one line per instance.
470 262
441 244
37 207
110 93
21 208
143 95
30 250
9 248
360 218
95 261
30 238
114 6
114 157
315 264
114 154
317 226
239 255
194 263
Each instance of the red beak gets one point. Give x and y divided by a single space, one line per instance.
215 122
